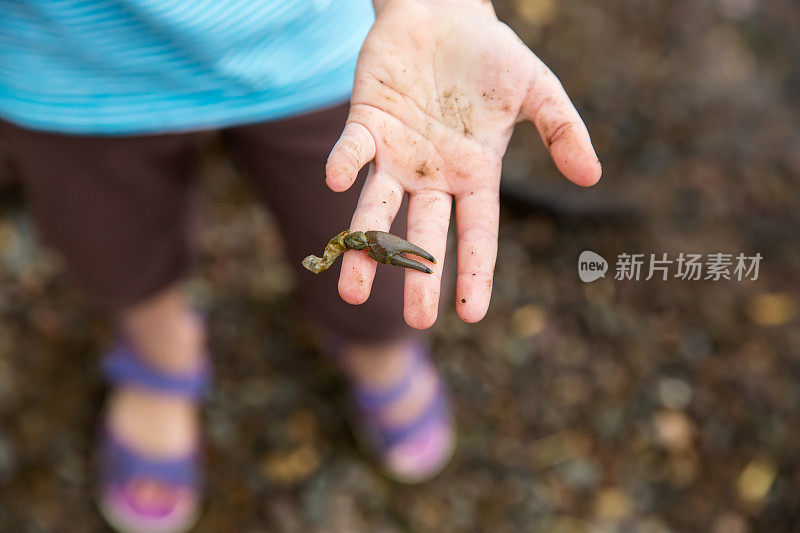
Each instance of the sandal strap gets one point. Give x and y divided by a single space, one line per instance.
437 410
121 464
124 366
370 399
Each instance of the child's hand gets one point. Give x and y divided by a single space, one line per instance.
439 86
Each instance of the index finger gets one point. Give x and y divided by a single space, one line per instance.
377 206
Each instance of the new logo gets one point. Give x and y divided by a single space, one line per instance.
591 266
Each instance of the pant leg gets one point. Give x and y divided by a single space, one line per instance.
286 161
116 208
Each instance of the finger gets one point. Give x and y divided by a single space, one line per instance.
378 205
354 149
477 215
428 220
563 132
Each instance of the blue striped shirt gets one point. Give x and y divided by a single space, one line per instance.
146 66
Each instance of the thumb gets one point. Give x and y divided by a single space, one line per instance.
563 132
354 149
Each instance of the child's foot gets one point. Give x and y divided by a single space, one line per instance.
152 429
150 479
403 408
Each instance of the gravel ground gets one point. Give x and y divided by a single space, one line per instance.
612 406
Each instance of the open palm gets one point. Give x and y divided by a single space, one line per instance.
438 89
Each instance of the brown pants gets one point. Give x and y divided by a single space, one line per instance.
117 209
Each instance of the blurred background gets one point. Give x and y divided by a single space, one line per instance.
612 406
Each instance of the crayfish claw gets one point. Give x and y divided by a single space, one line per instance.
381 246
390 245
416 250
404 262
387 248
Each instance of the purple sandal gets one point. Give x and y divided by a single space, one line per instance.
122 468
418 450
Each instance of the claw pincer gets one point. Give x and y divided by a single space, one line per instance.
381 246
